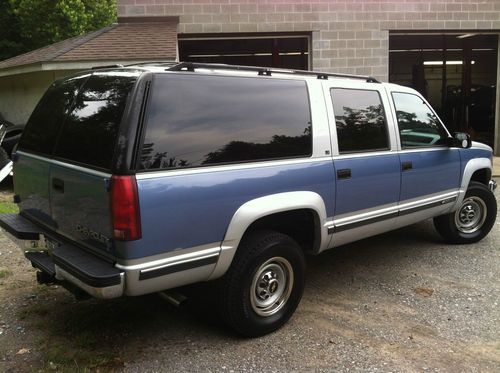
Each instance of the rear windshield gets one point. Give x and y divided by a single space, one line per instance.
197 120
78 119
44 124
91 129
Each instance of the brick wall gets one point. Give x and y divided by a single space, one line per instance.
348 36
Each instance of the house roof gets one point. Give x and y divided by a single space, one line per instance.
131 39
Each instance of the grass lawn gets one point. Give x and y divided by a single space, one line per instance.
8 208
6 193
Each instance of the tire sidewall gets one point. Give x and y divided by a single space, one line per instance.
253 324
478 191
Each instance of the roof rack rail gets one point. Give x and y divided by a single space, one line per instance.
153 63
191 66
105 66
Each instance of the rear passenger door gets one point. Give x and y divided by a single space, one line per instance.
366 162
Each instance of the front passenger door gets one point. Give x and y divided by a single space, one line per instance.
429 167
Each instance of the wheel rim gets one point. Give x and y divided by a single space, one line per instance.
470 217
271 286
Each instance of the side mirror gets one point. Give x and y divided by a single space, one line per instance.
460 140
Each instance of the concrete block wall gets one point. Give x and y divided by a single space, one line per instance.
347 36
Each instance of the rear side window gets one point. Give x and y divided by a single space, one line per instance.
198 120
91 128
44 123
360 120
418 125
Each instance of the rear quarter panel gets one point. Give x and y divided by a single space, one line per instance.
187 209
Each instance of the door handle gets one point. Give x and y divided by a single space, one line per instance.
58 184
344 173
405 166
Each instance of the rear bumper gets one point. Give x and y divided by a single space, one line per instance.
69 264
65 262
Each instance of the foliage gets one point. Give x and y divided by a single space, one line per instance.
8 208
11 43
29 24
4 272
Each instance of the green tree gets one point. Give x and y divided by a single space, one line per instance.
11 43
31 24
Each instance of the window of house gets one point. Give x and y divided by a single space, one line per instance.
285 51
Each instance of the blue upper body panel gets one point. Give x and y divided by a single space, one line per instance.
433 171
467 154
188 210
375 181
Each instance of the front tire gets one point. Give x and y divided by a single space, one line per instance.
473 219
264 285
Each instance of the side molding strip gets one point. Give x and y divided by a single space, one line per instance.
376 219
390 215
149 273
427 206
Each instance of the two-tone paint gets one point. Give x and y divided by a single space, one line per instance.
219 203
194 219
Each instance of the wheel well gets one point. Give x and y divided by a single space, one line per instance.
482 176
302 225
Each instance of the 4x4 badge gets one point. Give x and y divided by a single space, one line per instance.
88 233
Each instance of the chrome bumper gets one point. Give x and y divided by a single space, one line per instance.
105 292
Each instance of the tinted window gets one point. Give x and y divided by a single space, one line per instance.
418 125
44 123
197 120
91 129
360 120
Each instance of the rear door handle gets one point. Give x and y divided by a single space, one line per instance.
405 166
58 184
344 173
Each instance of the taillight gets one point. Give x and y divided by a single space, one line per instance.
125 215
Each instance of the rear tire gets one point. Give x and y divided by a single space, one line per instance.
473 219
264 284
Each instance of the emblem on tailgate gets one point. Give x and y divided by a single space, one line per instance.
87 233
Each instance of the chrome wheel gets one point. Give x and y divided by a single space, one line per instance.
271 286
471 215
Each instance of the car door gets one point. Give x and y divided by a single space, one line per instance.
81 169
33 160
367 167
430 169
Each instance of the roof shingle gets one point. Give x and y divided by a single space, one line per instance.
140 39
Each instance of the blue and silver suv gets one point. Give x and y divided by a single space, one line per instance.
150 177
